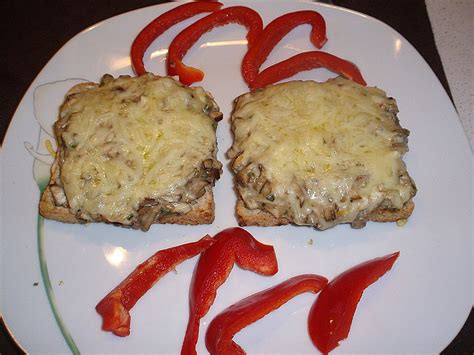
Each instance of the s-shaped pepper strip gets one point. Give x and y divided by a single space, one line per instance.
114 308
274 32
232 245
160 24
186 38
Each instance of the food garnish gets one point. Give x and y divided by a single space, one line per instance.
186 38
252 308
330 317
274 32
261 41
114 308
232 245
307 61
160 24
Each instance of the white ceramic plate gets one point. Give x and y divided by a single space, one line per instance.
418 307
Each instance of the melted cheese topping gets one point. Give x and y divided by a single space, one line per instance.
319 154
131 139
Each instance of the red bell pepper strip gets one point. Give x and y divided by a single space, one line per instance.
214 266
331 315
114 308
307 61
274 32
250 309
186 38
161 24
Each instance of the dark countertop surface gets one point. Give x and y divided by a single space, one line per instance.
33 33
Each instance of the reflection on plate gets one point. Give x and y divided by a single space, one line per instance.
81 264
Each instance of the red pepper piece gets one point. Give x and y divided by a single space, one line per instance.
307 61
274 32
214 266
250 309
114 308
186 38
161 24
331 315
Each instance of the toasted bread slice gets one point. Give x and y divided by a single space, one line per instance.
319 154
134 151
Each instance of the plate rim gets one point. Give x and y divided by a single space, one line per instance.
173 4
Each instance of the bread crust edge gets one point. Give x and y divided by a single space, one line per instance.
202 211
247 217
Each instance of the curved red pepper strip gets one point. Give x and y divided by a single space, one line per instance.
214 266
186 38
274 32
331 315
114 308
307 61
250 309
161 24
